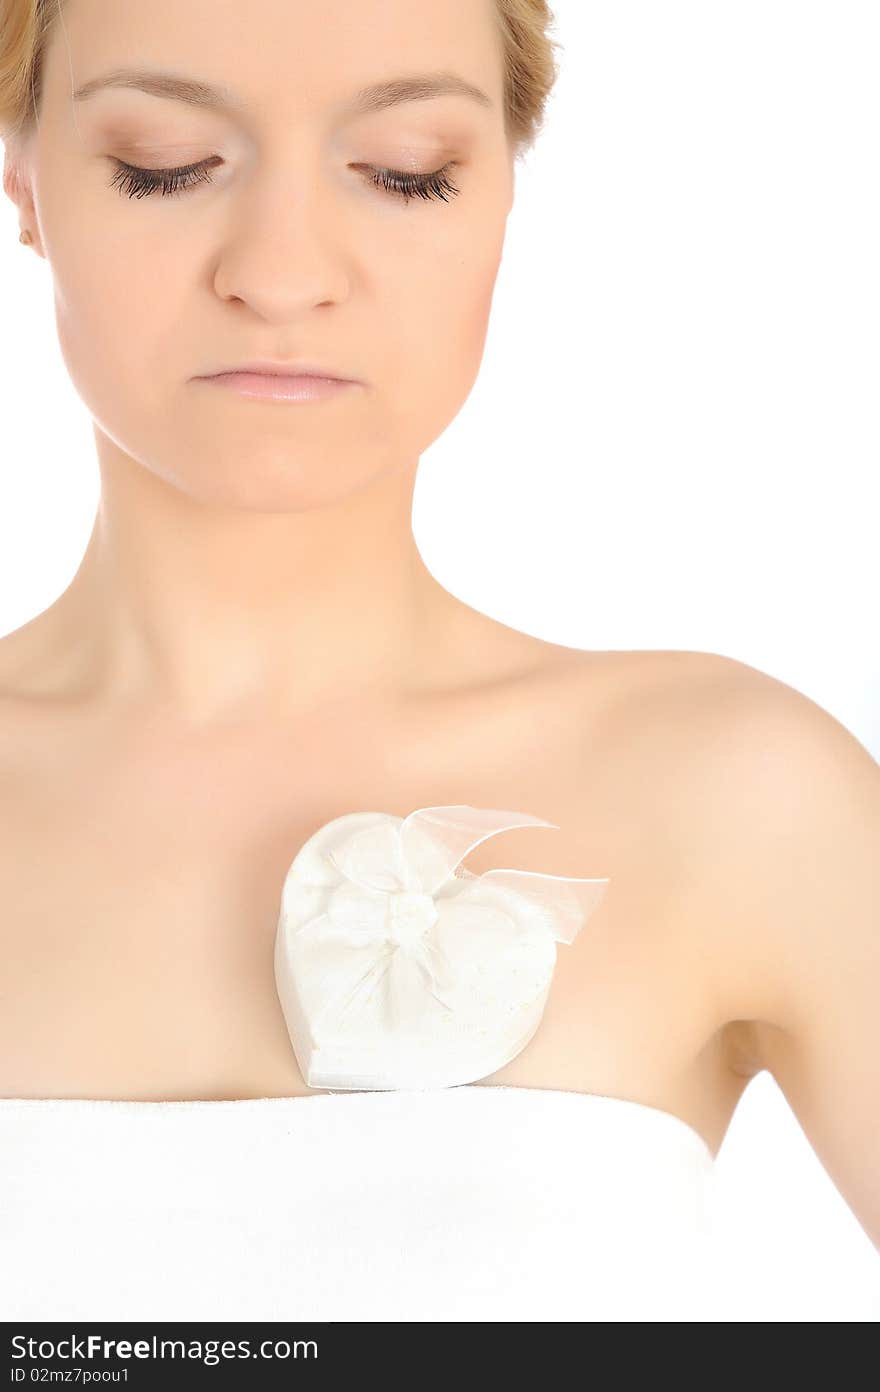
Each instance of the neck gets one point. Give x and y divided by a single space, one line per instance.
209 612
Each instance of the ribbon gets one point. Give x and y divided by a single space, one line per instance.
369 898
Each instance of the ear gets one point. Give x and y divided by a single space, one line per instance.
17 187
12 170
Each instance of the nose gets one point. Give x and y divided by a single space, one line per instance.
284 251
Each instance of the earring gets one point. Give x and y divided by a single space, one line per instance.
25 237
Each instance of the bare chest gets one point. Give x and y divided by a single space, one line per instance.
141 897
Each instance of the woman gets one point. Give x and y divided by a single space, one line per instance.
253 691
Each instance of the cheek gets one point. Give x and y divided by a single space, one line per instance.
119 316
445 325
479 305
113 333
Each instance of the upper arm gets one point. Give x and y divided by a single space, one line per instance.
787 838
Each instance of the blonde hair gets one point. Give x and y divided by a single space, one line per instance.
530 65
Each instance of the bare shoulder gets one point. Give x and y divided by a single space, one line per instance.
765 812
771 810
777 811
34 687
15 703
747 754
780 810
22 654
34 705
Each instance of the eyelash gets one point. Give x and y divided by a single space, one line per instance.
140 183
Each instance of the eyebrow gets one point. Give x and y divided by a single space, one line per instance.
377 97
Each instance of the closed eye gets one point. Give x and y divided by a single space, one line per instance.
140 183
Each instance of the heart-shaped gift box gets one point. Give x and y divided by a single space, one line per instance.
398 968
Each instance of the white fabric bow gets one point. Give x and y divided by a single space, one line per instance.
396 967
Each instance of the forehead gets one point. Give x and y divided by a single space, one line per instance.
344 56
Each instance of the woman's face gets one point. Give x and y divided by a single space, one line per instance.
284 248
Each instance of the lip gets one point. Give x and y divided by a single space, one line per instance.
286 386
265 368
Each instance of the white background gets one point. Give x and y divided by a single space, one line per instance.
673 442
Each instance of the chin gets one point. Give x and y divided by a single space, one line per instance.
277 485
